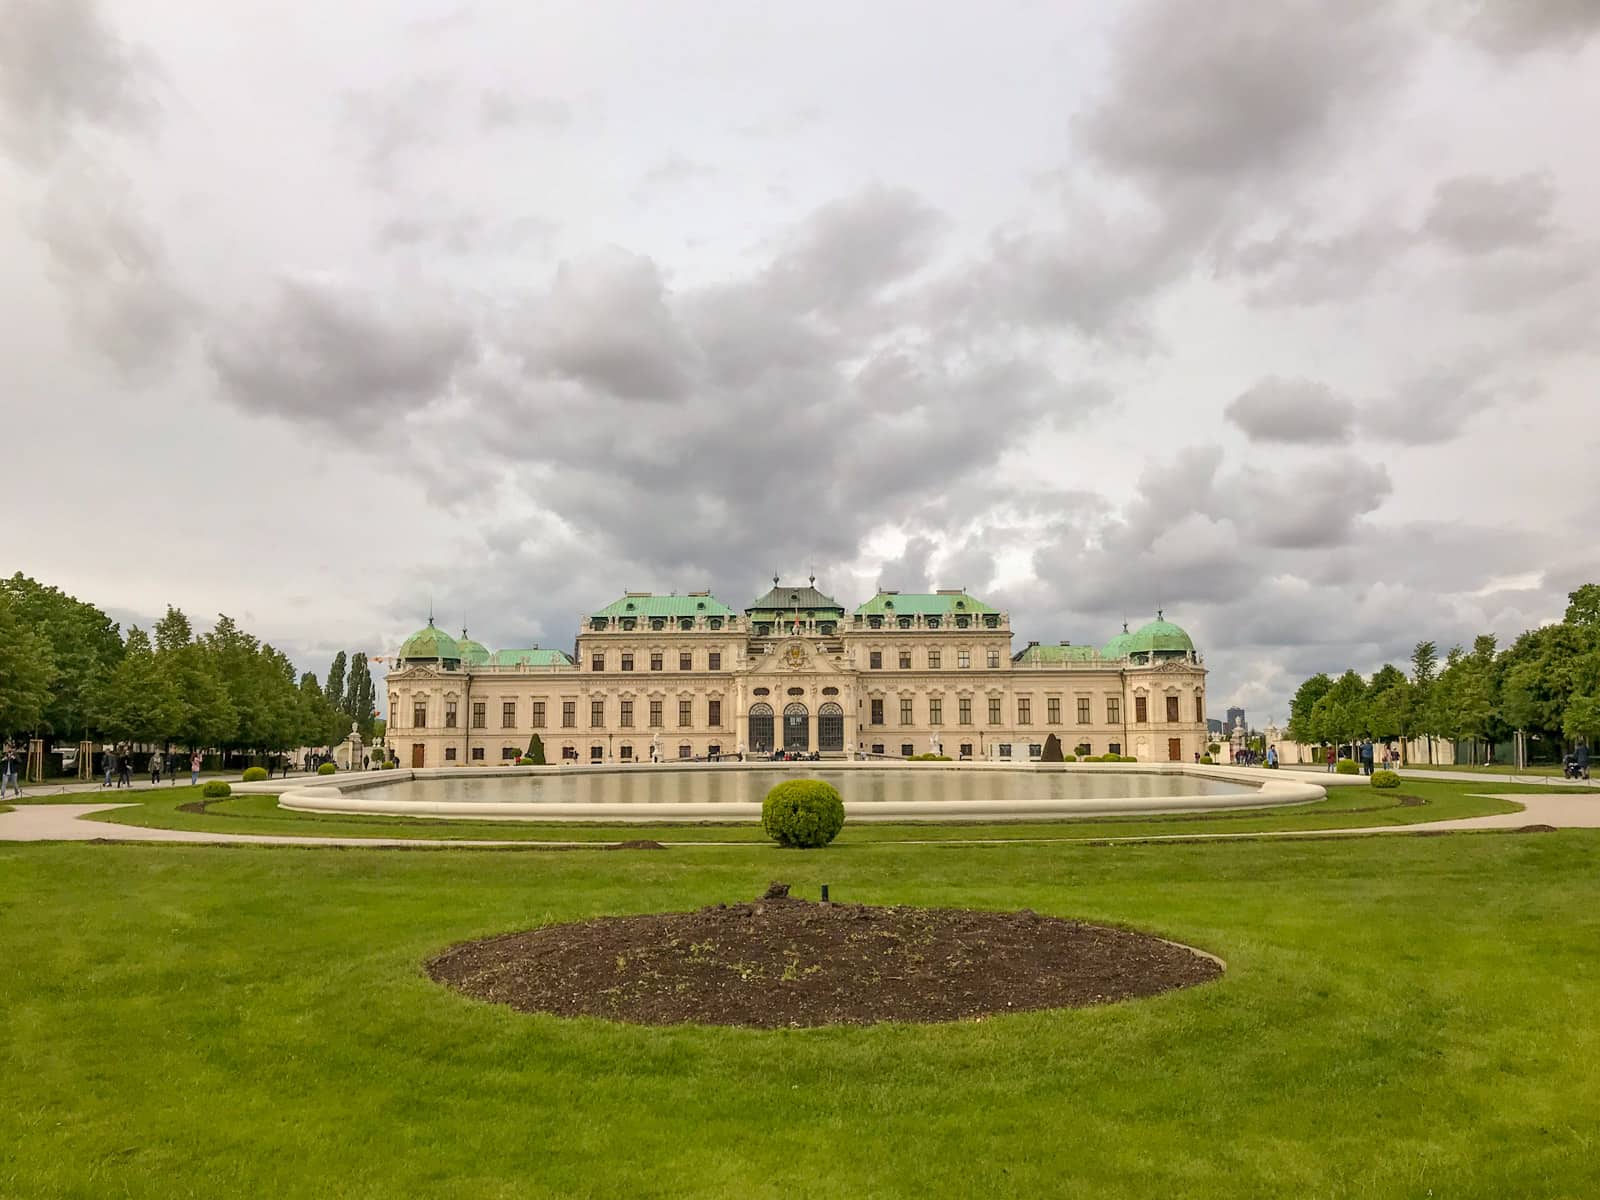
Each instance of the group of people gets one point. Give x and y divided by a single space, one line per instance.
117 763
1365 753
1252 758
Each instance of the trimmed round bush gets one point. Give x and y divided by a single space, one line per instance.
1205 760
326 769
216 789
386 765
1069 758
805 813
1385 779
1347 766
253 775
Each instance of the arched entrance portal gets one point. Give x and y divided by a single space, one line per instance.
796 729
761 729
830 727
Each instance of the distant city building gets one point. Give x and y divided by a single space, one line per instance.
686 676
1215 727
1236 717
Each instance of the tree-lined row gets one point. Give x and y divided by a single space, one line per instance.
65 670
1546 683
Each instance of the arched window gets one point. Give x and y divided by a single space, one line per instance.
796 728
830 727
761 728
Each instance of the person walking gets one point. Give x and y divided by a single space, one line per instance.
194 768
9 778
1580 759
109 761
1366 757
155 767
125 767
1331 758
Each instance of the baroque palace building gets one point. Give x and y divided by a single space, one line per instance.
685 676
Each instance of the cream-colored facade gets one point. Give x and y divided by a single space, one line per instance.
684 676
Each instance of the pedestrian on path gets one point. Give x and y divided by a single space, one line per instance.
155 767
125 768
9 778
109 760
1332 757
194 768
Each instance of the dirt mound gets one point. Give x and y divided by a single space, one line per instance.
788 962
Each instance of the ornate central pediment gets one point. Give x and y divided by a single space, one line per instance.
796 656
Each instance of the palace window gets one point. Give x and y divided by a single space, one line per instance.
875 660
627 753
714 660
685 713
419 714
1083 710
1141 710
907 749
480 714
658 623
714 713
964 710
655 660
877 712
905 710
1200 710
685 660
597 713
933 660
449 754
538 714
964 659
449 714
935 710
1172 708
477 754
877 747
627 661
994 710
655 714
1083 749
905 660
509 754
597 662
569 716
1024 711
1114 748
994 659
1052 710
685 751
1113 710
625 715
508 714
597 753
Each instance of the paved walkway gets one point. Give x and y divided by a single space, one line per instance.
63 822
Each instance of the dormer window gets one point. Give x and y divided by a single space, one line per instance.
685 622
598 623
657 623
963 621
933 622
716 622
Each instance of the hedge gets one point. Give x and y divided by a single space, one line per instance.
326 769
1347 766
1385 779
216 789
253 775
805 813
1205 760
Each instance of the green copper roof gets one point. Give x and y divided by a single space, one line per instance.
1051 655
1160 636
1117 647
533 656
473 654
647 604
430 643
792 597
927 604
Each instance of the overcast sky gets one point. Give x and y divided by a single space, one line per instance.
1283 317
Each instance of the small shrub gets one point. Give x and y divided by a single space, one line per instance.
1205 760
806 813
327 769
216 789
1052 750
1069 758
1111 758
386 765
1347 766
253 775
1214 749
1385 779
929 758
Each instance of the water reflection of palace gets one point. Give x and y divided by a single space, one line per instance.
684 676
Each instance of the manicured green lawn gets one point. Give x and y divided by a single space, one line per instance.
1400 1017
1492 769
1352 807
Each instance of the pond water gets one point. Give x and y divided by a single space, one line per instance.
729 786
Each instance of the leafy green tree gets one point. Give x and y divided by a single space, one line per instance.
1340 715
1583 607
203 713
334 691
136 703
1301 706
1420 712
1388 702
83 646
536 750
1582 718
359 694
27 671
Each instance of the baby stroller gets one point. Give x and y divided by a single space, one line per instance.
1571 768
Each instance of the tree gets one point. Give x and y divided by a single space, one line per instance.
334 691
1387 700
1052 750
1583 607
203 713
1300 708
1340 715
1582 718
1419 713
27 671
83 646
136 703
359 694
536 750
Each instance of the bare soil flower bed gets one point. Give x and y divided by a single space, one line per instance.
781 962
